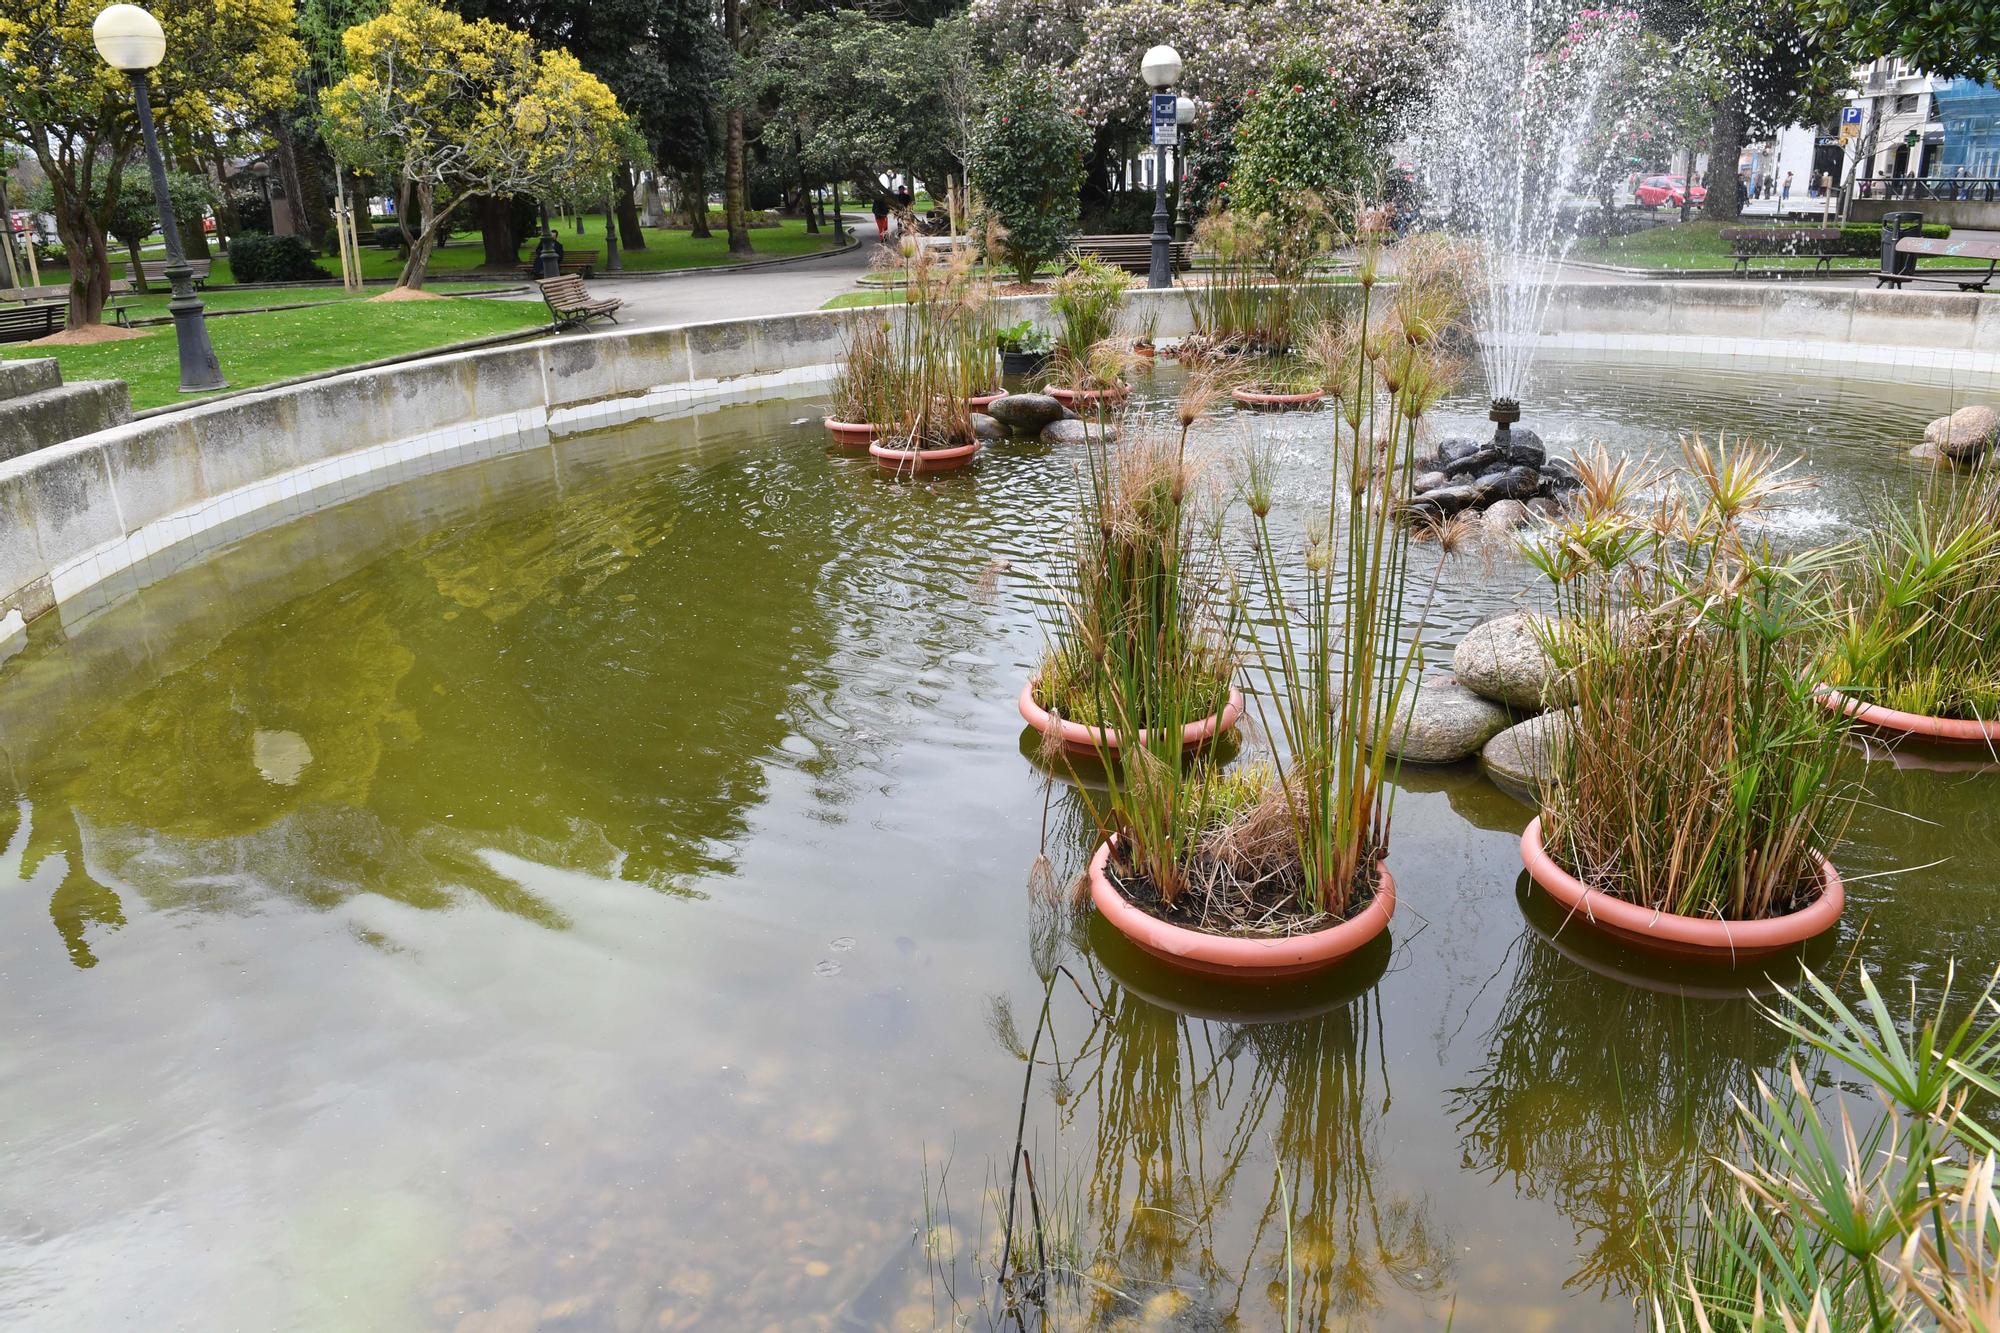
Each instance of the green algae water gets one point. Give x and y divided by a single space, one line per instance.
592 889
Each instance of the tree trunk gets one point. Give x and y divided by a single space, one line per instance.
312 161
303 224
496 232
89 260
225 212
404 193
1725 147
412 275
734 166
694 188
805 190
630 235
138 268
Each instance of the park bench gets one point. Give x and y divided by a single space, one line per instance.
1822 245
1924 247
38 319
575 263
156 270
1134 254
571 304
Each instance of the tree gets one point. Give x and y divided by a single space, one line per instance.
137 214
1771 72
1947 39
459 109
1027 166
224 64
735 167
1298 148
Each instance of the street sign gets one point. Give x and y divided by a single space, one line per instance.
1163 109
1850 115
1167 135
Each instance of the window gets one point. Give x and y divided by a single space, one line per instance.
1909 104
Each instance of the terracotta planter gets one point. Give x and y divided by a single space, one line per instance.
851 434
1083 739
925 460
1274 402
1231 956
1088 397
1957 731
1685 936
979 402
1145 348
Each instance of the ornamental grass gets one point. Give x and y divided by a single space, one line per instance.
934 352
1699 774
1920 629
1086 303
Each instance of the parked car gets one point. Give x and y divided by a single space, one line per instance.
1671 190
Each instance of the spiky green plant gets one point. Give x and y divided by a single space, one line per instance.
1699 775
1921 630
1887 1224
1086 302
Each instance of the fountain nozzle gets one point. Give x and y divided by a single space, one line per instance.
1504 412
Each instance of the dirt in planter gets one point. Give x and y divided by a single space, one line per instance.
1221 902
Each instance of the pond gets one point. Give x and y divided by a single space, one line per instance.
598 895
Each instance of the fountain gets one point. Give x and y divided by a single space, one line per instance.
1504 145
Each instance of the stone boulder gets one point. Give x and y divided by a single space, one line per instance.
1069 430
1426 481
988 428
1543 506
1502 517
1522 448
1519 759
1502 659
1444 723
1026 413
1514 483
1444 501
1966 435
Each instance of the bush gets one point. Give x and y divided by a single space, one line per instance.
1297 148
1027 167
1864 239
256 257
1128 213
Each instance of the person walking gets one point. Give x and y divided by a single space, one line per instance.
1785 193
882 218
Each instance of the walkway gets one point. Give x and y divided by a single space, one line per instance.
697 297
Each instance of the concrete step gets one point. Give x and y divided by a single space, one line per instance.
20 377
49 416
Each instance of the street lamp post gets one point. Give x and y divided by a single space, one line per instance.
1183 117
131 41
1161 68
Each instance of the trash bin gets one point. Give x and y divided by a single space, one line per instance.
1895 226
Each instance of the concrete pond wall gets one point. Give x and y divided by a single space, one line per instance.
84 522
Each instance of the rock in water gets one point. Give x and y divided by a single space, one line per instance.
1544 507
1444 501
1522 447
1026 413
1560 475
1065 432
1426 481
1502 659
1514 483
1502 517
1520 759
1443 723
1472 464
988 428
1966 435
1457 447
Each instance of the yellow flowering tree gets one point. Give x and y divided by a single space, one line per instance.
227 61
462 108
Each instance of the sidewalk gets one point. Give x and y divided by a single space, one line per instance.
697 297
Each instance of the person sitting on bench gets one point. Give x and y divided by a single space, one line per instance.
549 256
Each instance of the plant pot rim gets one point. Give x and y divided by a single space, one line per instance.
1233 956
1089 740
1263 398
979 402
1957 729
1688 936
851 432
925 460
1067 396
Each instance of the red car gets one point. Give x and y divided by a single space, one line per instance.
1653 191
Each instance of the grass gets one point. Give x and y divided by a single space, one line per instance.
258 349
154 304
848 300
666 248
1693 245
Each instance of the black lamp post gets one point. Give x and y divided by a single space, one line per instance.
1161 68
1184 110
131 40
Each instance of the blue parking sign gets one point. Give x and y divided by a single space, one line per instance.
1850 115
1163 108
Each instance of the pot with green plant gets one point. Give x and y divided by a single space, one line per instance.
1918 650
1278 867
1090 358
1280 384
1024 349
940 352
1691 804
1144 343
1141 634
862 387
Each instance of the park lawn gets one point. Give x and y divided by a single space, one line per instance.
848 300
258 349
1689 245
154 303
666 248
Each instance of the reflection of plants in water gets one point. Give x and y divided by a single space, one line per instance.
78 902
1598 1096
1186 1124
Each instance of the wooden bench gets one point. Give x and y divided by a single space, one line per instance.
60 291
38 319
572 305
1965 279
1822 245
156 270
575 263
1134 254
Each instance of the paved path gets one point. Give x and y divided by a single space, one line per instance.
696 297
